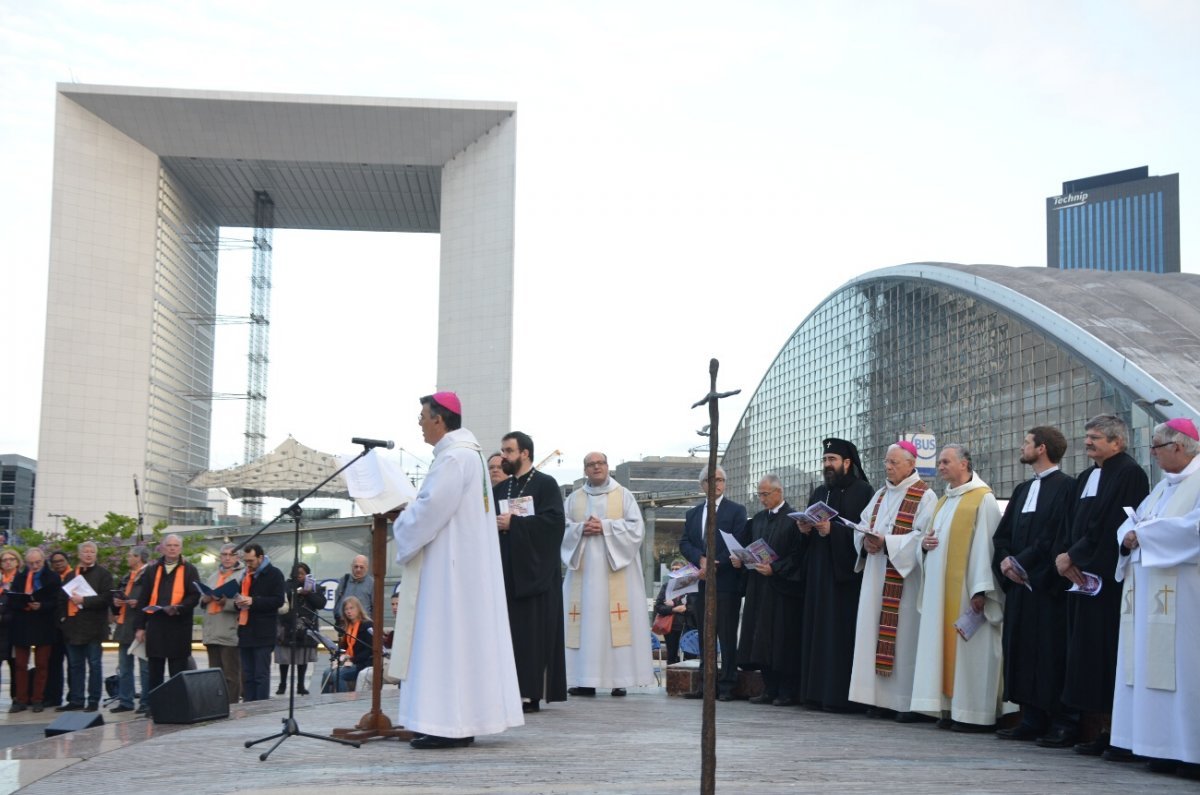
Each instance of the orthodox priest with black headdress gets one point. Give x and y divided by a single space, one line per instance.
831 585
1089 545
531 523
1035 605
769 643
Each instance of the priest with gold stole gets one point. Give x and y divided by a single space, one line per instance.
604 593
1157 697
962 606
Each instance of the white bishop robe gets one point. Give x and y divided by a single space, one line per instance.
461 679
866 686
1156 704
597 663
977 662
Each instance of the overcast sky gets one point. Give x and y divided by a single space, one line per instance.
692 180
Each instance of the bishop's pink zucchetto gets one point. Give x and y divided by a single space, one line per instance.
449 400
1185 426
908 447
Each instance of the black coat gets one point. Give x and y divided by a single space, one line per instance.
298 618
685 620
1035 622
90 623
266 589
36 627
731 517
769 639
168 636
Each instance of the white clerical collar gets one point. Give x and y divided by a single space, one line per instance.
1047 472
775 510
1092 485
603 488
1188 470
975 482
457 438
904 484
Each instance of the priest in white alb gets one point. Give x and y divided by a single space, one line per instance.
604 594
885 641
452 649
1156 703
958 680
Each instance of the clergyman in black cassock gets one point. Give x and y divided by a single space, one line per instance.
1035 617
530 556
768 640
1089 544
831 585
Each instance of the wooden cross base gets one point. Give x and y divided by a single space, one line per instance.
372 725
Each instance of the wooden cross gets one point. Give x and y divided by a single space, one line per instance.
708 734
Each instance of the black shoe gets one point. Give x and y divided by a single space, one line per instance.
618 692
142 709
92 707
530 706
725 697
581 691
36 707
17 707
120 708
694 694
1162 765
282 689
1018 732
765 698
945 724
1095 747
1058 738
69 708
784 702
302 691
426 741
907 717
972 728
1115 754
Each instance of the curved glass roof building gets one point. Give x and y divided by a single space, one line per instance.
975 354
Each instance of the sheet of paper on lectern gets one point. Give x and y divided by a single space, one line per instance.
377 482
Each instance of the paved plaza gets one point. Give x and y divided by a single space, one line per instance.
644 743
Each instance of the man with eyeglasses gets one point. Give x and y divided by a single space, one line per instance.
1157 695
831 585
220 629
608 631
1089 546
731 518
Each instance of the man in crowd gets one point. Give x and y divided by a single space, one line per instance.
886 625
1157 696
731 518
452 620
958 644
769 642
84 627
1035 607
531 525
831 584
220 630
496 469
1089 544
167 588
124 607
356 583
33 631
257 602
608 631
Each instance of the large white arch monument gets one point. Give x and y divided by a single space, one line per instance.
143 180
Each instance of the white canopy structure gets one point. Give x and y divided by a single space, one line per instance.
289 471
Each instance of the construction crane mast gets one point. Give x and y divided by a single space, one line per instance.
257 356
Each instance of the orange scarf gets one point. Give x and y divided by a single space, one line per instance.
213 607
6 580
176 589
73 608
244 613
351 638
133 577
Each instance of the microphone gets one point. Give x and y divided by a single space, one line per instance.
371 444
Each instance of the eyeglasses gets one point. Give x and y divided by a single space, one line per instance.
596 463
1095 437
1164 444
766 493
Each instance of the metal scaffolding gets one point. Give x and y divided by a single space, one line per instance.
260 325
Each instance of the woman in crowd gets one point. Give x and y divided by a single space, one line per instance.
683 611
357 645
295 646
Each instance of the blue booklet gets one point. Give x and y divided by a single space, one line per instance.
223 591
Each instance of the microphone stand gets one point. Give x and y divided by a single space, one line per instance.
290 727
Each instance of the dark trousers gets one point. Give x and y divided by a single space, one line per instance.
256 672
79 657
229 660
729 608
41 662
173 664
54 675
126 690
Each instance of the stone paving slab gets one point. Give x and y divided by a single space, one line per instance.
644 743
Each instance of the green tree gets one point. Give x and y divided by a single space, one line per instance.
114 537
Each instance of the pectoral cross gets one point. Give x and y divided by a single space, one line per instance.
619 612
1163 598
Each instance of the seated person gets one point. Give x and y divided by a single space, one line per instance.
368 674
355 653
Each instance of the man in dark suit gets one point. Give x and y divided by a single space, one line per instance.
258 604
731 518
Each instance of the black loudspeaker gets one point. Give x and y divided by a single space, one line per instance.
190 697
73 722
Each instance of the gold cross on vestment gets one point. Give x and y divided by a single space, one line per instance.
619 612
1163 597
